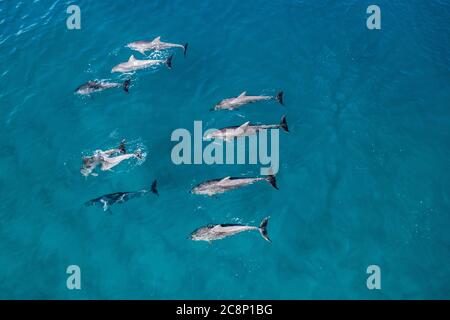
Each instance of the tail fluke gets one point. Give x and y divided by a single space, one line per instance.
122 147
153 188
279 98
185 48
138 154
169 61
263 229
283 124
273 181
126 85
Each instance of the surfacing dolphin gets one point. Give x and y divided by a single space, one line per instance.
134 64
155 44
97 86
243 98
219 231
219 186
107 159
246 129
91 162
108 200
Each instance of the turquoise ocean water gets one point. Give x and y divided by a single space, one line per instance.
364 173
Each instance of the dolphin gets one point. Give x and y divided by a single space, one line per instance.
110 162
155 44
218 186
219 231
91 162
108 200
107 159
243 98
134 64
97 86
246 129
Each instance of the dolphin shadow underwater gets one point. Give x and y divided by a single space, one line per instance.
108 200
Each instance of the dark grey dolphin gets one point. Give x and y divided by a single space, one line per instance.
108 200
97 86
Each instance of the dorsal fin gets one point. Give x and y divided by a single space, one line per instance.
157 39
244 126
242 94
224 179
132 58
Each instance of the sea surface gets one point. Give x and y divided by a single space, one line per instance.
364 173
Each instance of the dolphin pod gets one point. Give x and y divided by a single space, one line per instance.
112 157
133 64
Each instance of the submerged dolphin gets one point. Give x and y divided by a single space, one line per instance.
108 200
243 98
134 64
96 86
218 186
220 231
155 44
246 129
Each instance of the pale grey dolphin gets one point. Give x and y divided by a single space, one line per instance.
110 162
134 64
218 186
243 98
246 129
155 44
107 160
219 231
91 162
96 86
